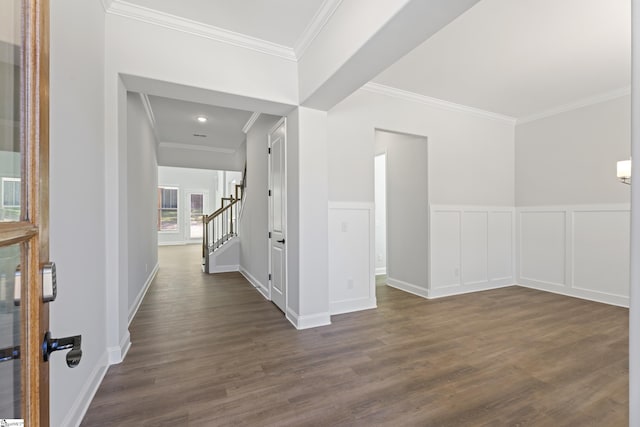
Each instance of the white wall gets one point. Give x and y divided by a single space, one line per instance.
77 210
573 214
142 201
307 218
570 158
470 161
186 180
407 206
253 224
381 213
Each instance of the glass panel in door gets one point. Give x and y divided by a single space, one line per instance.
10 75
10 190
196 210
9 336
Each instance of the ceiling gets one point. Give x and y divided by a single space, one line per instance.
522 57
517 58
176 123
277 21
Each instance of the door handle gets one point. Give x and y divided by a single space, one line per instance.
280 241
74 343
9 353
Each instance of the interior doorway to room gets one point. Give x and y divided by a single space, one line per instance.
401 211
380 173
277 215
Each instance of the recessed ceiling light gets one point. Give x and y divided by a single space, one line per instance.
202 119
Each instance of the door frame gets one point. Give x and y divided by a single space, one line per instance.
282 121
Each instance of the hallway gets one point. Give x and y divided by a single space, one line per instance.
210 351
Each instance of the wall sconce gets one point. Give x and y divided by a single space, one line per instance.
624 171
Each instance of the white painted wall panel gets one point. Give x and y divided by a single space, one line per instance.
445 249
601 251
543 246
500 245
352 286
475 247
581 251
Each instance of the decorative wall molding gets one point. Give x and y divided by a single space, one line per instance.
320 19
434 102
585 102
151 16
106 4
471 249
193 147
592 260
247 126
352 239
136 304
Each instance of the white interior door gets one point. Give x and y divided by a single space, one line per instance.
277 215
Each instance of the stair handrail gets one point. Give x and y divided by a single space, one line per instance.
218 227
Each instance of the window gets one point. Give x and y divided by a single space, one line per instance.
10 199
167 209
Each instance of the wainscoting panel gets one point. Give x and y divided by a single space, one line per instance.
500 245
351 257
475 253
580 251
543 245
471 249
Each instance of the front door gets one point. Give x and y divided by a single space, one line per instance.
196 205
277 215
24 208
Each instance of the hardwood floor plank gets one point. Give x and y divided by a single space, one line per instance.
208 350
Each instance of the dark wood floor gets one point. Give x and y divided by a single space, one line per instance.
210 351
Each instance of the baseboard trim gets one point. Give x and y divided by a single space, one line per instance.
80 406
381 271
224 268
467 289
308 321
408 287
350 306
117 354
603 298
133 310
264 291
180 243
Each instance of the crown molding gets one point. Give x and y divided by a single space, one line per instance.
319 20
147 107
106 4
192 147
151 16
250 122
584 102
435 102
152 118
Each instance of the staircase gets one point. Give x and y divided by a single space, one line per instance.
220 243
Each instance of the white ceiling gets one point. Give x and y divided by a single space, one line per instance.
175 123
522 57
277 21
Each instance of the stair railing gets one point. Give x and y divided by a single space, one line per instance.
221 225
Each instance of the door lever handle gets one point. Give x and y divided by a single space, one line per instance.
280 241
74 343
